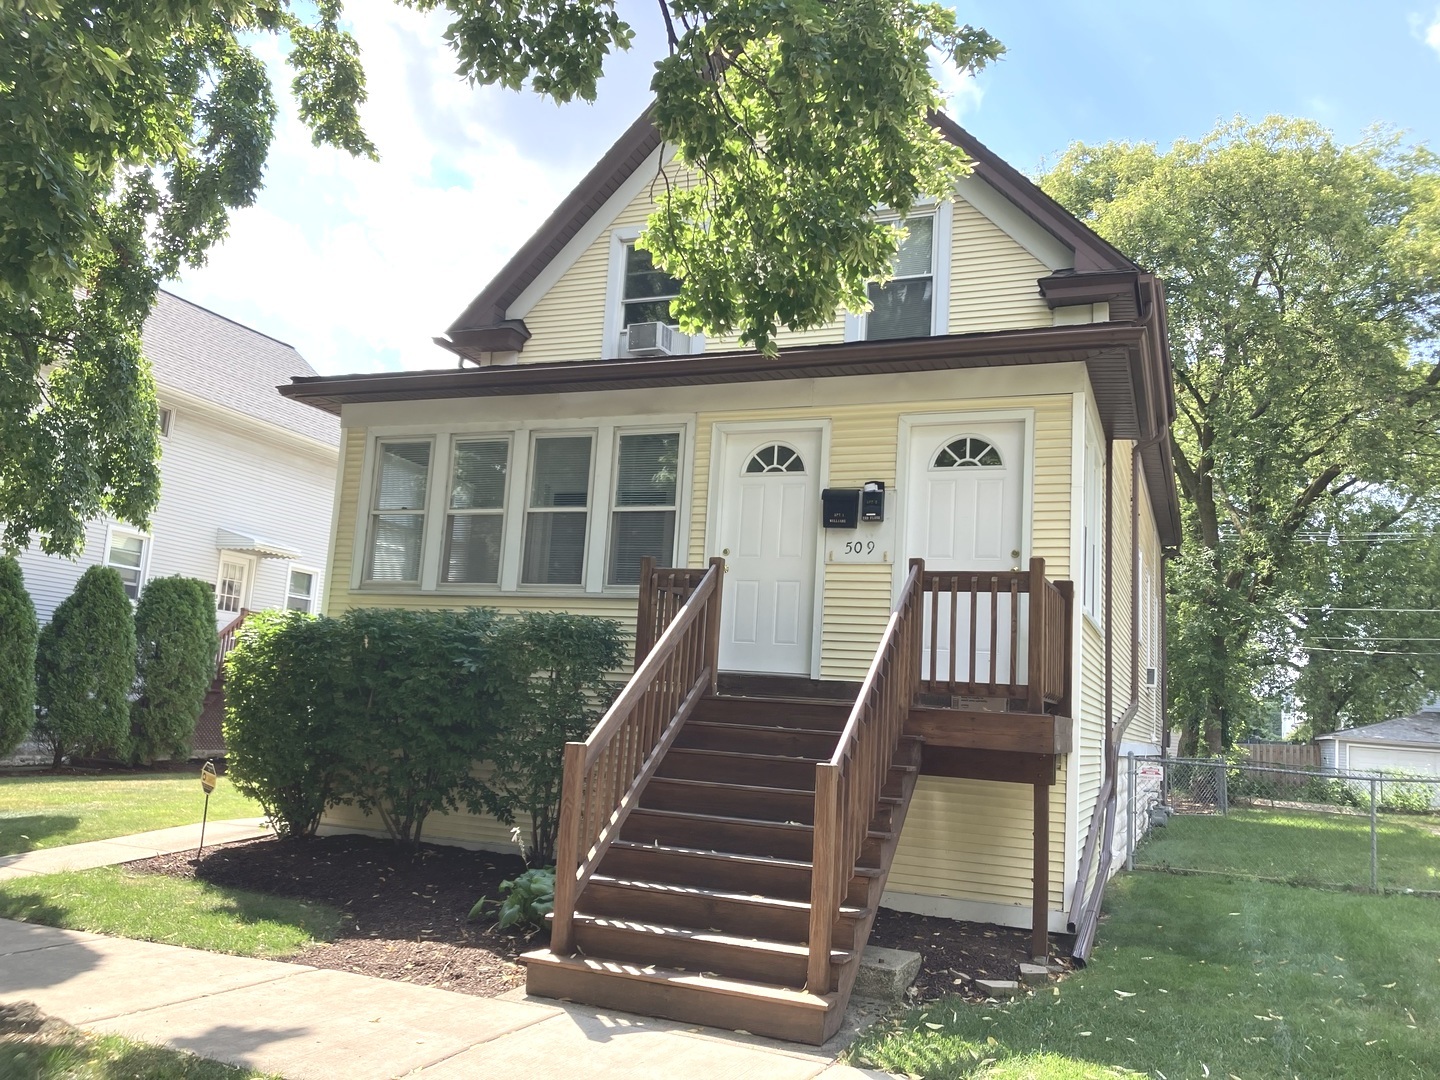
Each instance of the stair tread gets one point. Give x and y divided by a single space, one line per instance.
711 853
715 894
768 729
725 819
654 973
716 937
889 800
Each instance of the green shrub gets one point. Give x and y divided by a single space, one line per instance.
19 630
567 659
420 698
281 707
175 665
85 668
528 899
1406 794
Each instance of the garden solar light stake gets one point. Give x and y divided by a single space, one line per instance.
207 781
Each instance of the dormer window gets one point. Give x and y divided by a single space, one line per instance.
904 306
648 291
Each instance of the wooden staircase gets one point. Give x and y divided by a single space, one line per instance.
700 909
721 859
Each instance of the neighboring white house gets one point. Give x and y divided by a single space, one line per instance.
1409 744
247 476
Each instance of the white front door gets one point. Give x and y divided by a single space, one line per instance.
232 587
767 523
965 503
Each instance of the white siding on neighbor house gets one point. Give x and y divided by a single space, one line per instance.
242 476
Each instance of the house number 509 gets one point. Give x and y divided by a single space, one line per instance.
859 547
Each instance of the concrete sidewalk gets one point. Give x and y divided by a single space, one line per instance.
303 1022
123 849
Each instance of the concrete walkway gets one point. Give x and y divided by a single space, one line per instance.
123 849
303 1022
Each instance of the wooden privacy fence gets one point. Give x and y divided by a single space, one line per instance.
973 635
1298 755
605 774
847 787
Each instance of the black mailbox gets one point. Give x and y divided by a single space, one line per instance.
840 508
872 501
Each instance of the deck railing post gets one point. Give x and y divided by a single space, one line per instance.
712 625
1036 673
645 611
567 846
823 871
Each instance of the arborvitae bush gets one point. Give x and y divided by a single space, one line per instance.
18 633
85 668
282 711
174 664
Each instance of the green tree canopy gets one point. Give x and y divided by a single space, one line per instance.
129 130
1304 284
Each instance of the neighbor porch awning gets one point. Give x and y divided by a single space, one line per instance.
230 540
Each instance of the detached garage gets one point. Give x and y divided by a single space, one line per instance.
1409 744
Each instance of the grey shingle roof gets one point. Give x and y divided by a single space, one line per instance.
197 352
1423 727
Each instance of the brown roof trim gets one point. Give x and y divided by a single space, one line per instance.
1068 288
489 307
507 336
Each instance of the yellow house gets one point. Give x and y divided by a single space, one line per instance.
900 587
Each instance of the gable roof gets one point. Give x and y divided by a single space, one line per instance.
197 352
483 325
1419 729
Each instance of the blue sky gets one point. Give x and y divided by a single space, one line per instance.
360 264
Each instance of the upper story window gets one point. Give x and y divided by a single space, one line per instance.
397 512
125 553
647 291
904 306
163 419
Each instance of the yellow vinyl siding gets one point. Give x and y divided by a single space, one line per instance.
992 278
992 287
468 830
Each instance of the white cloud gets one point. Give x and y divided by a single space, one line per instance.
1432 33
359 264
961 90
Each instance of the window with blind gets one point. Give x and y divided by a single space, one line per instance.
903 307
475 519
642 518
558 511
397 514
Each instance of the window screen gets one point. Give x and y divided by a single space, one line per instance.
397 520
643 519
558 513
903 306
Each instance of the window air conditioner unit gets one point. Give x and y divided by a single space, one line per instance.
654 339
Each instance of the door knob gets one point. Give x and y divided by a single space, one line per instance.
724 551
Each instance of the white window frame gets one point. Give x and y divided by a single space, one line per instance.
164 420
613 479
117 530
252 567
427 532
944 214
587 561
605 433
620 239
290 593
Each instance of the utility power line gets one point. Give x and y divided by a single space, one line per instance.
1367 652
1399 610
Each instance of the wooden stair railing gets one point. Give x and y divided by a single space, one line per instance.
227 635
1047 645
847 787
605 774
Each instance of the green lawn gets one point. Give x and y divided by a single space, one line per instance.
175 911
1197 977
1301 847
48 811
75 1056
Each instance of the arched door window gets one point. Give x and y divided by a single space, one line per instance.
968 451
775 458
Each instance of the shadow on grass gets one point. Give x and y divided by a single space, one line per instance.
21 834
72 1053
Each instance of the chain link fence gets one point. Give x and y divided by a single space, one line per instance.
1301 826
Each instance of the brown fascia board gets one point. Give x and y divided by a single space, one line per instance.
507 336
489 307
1067 288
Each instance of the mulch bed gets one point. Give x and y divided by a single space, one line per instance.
405 914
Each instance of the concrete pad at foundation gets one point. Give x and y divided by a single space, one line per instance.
319 1025
91 978
598 1045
